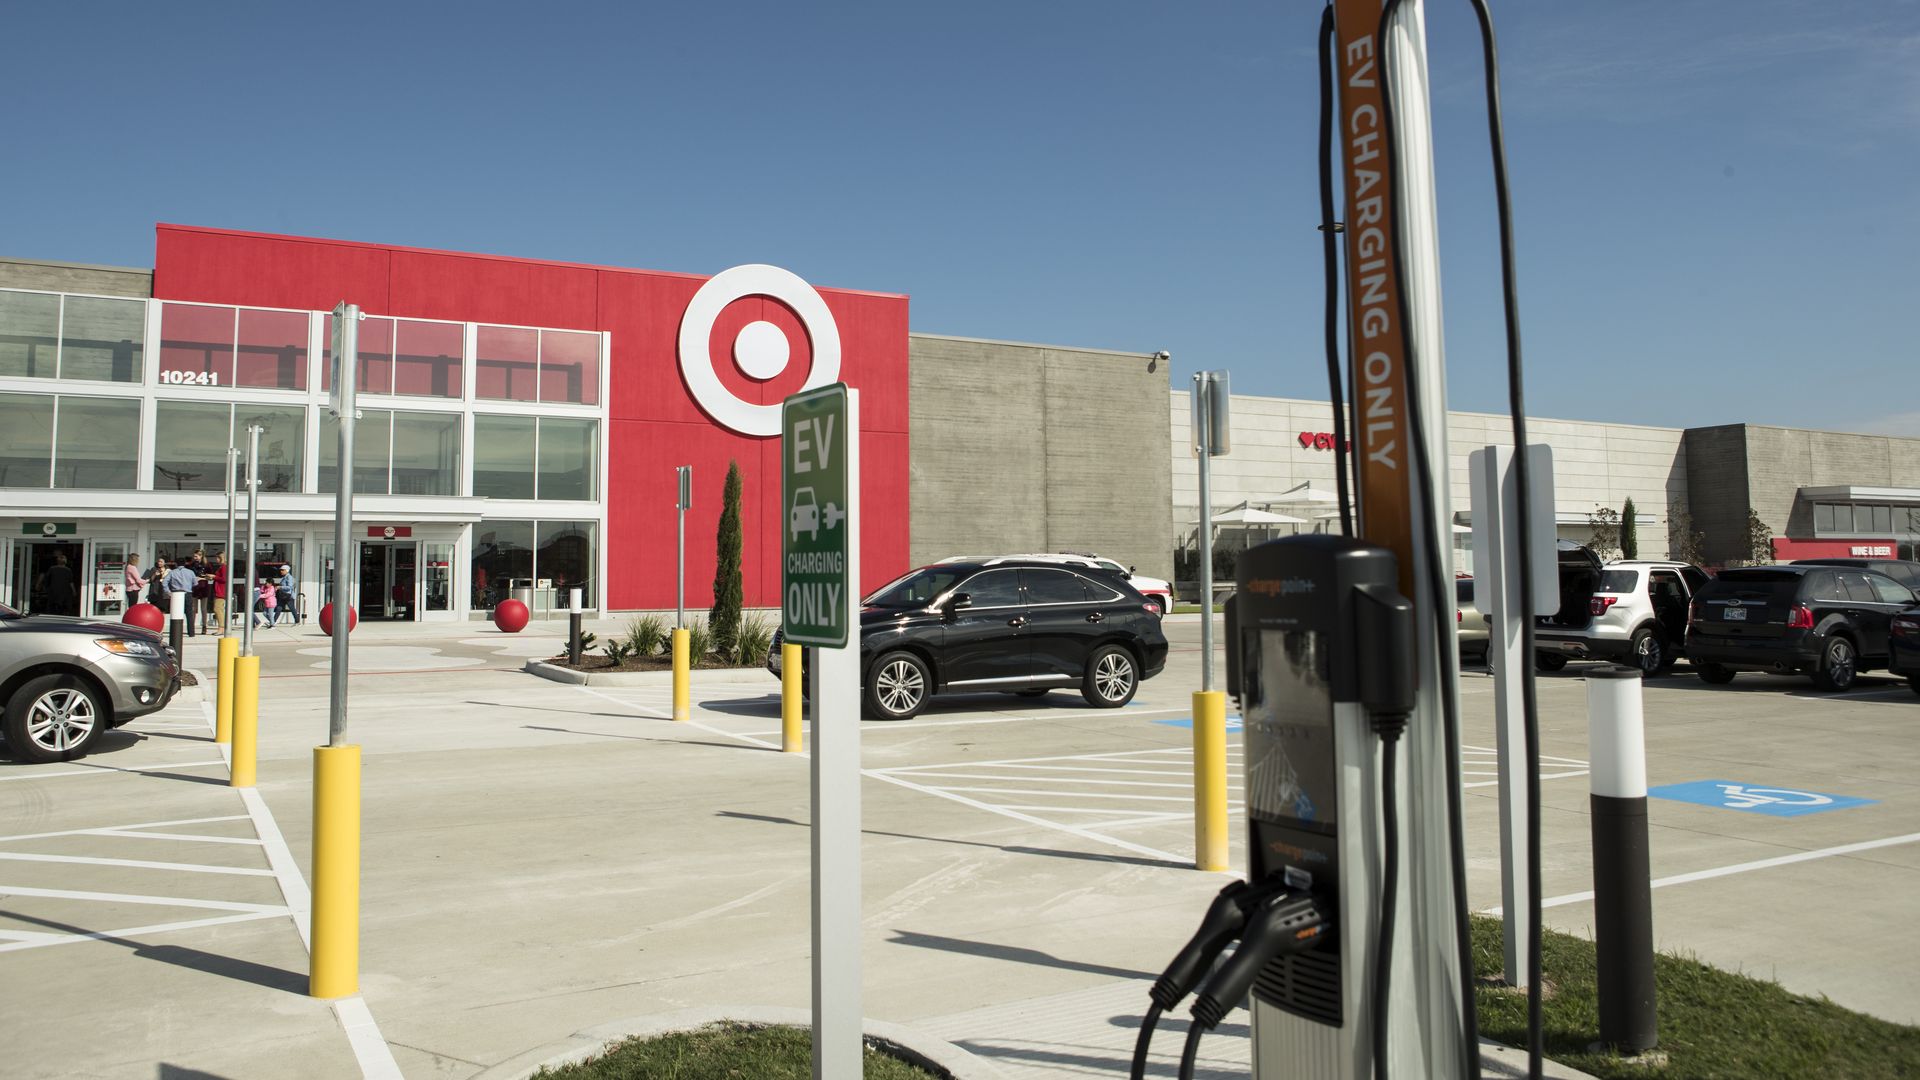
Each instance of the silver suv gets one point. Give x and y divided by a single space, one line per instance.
1635 613
64 681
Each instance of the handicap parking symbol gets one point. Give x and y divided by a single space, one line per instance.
1233 723
1756 798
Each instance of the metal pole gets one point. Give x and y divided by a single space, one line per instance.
347 318
1622 876
233 454
253 538
573 627
1203 442
684 483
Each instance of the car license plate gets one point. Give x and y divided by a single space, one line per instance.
1736 614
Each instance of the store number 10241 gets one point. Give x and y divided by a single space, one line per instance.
191 378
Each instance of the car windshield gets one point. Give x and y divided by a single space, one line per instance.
916 589
1619 581
1756 585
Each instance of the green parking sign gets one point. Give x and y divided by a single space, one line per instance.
815 519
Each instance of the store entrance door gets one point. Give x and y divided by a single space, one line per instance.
389 581
47 577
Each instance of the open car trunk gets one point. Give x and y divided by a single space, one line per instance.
1579 580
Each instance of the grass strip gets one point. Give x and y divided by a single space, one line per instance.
724 1051
1713 1023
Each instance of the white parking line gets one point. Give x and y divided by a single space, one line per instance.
139 898
37 940
122 828
109 770
135 864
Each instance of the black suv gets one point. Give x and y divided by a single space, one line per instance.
1901 570
1013 625
1831 622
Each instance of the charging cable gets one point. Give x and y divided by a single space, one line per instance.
1226 917
1330 248
1283 922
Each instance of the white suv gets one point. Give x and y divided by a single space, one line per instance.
1154 589
1636 614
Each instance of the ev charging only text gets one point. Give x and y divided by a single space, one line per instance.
813 602
1370 247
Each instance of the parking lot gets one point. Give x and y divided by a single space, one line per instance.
541 858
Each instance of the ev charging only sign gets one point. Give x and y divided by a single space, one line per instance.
816 516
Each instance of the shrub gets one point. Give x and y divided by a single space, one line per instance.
1629 535
756 637
647 635
618 652
699 642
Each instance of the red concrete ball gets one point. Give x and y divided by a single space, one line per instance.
145 616
511 616
326 619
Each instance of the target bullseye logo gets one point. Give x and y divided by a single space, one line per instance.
761 349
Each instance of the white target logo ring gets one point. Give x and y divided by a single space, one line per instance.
757 350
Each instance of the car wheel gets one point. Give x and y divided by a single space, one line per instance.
898 686
1839 666
1715 674
1649 652
1111 678
1547 661
54 718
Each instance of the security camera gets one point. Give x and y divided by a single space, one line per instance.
1163 355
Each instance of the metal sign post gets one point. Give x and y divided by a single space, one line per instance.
820 576
684 501
340 402
232 459
1210 397
253 538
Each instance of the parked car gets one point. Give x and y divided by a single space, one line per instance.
65 680
1635 612
1579 579
1011 624
1470 626
1903 641
1154 589
1901 570
1830 622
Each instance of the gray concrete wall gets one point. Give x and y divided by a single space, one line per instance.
75 278
1020 447
1780 461
1719 493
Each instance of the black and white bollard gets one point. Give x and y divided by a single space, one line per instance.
573 627
1622 878
177 625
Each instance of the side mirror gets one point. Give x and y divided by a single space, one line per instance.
958 601
1133 569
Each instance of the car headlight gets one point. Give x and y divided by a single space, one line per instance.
128 646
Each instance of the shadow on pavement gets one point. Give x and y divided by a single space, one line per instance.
1012 849
226 967
168 1071
1014 953
1093 1060
649 738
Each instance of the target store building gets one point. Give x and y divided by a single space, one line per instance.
521 420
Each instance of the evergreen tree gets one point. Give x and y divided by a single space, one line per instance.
723 621
1629 539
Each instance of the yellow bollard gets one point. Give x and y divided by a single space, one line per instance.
682 693
335 968
223 690
1209 780
246 718
790 707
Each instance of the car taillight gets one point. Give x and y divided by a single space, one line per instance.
1459 616
1800 618
1693 613
1905 626
1599 604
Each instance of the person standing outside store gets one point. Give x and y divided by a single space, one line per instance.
62 597
222 586
182 579
135 583
157 584
283 593
266 605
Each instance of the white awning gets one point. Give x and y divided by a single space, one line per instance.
1857 493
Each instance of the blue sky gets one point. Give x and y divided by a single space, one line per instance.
1717 207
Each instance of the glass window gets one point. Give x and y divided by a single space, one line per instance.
568 460
426 358
1854 584
372 452
502 560
1882 518
505 361
97 443
426 453
29 333
101 339
376 355
1822 518
1890 591
438 577
26 440
503 456
565 558
995 588
1054 587
196 345
283 440
190 440
569 366
273 349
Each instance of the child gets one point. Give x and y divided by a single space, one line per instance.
266 601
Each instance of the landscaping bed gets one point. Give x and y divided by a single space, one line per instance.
1713 1023
727 1051
598 663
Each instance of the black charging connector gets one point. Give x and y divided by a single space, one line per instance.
1283 922
1384 646
1224 921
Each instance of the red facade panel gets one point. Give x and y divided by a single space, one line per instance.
653 422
